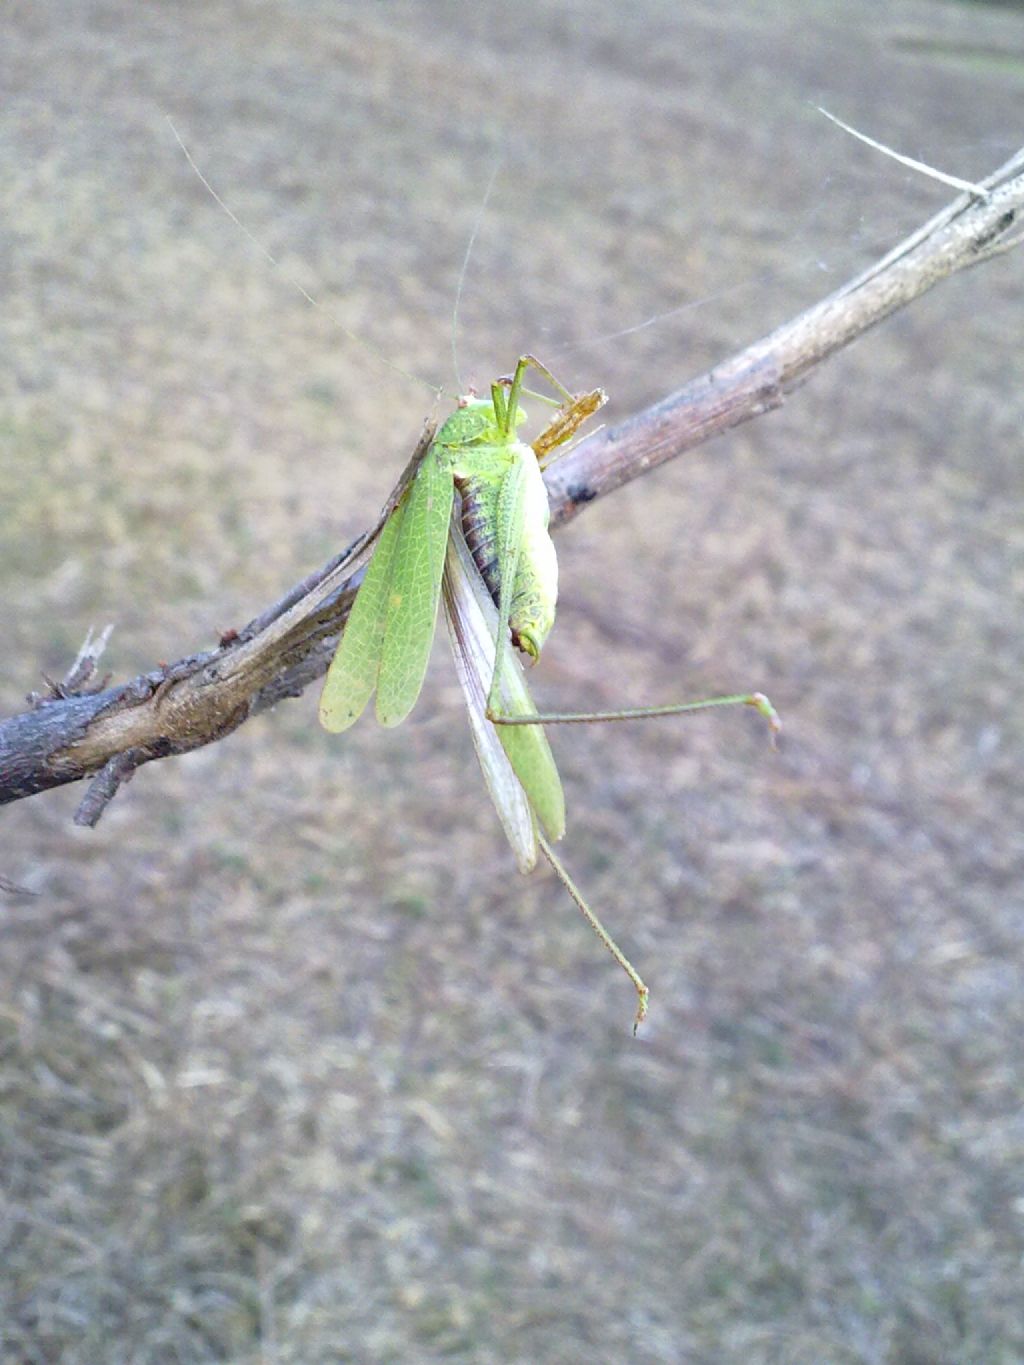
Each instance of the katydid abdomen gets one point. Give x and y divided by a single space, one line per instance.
535 583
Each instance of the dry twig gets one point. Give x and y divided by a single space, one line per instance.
203 697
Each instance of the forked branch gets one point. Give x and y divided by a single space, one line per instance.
71 733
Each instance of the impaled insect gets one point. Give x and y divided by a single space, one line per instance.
474 520
471 511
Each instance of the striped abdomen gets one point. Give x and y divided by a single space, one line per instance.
532 609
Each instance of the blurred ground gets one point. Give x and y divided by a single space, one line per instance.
294 1067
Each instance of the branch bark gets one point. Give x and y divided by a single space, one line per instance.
70 735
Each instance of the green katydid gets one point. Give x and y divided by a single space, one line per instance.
474 519
471 512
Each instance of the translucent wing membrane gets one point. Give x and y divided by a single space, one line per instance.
518 767
473 649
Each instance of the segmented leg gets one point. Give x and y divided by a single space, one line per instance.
643 994
757 700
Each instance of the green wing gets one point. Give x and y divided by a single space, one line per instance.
411 609
355 667
386 642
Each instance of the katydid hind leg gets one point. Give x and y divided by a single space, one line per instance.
509 535
643 994
757 700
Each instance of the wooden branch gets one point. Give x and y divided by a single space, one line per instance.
70 734
965 233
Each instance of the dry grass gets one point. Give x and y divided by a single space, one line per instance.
293 1068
